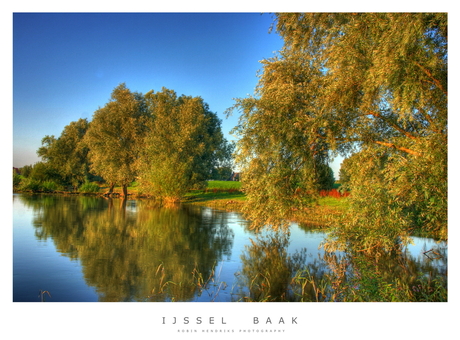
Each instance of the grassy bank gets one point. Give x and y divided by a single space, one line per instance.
228 195
218 194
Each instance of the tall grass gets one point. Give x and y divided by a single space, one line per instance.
33 185
197 282
283 280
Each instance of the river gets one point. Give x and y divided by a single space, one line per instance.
88 249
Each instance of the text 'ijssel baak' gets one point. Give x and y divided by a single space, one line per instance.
215 320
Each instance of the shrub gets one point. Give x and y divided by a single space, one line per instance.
17 180
48 186
89 187
30 184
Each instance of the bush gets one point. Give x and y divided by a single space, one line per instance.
48 186
17 180
89 187
30 184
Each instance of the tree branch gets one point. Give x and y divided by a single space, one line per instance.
391 145
430 75
393 125
401 148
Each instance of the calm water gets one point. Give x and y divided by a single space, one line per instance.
94 249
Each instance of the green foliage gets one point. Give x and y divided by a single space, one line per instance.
48 186
17 180
344 173
26 170
184 144
371 85
370 282
396 198
67 155
114 137
89 187
41 177
221 173
280 168
35 185
430 289
326 179
170 144
30 184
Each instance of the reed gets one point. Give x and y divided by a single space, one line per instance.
41 295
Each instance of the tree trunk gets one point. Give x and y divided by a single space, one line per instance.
125 190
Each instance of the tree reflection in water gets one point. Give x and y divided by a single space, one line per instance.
268 268
134 250
139 251
270 273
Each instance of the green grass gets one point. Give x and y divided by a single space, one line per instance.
220 194
196 195
224 185
340 203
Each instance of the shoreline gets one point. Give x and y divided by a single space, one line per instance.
317 216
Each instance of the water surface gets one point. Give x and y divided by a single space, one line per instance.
88 249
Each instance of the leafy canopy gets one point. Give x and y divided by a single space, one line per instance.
184 144
372 84
67 155
114 136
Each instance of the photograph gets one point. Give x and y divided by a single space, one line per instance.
252 173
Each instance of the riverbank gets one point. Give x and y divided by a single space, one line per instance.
228 196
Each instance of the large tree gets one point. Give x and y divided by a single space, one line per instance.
184 144
67 155
114 135
373 84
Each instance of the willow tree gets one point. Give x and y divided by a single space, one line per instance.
67 155
369 84
284 158
114 135
184 144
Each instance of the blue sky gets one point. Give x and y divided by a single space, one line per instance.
65 65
